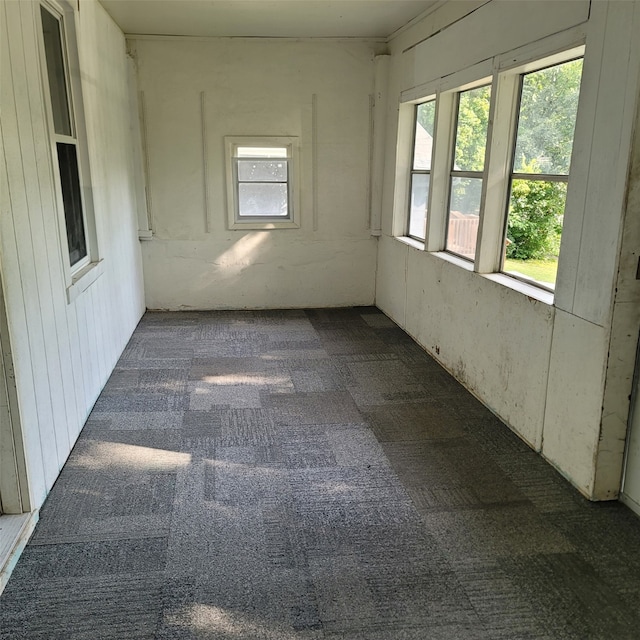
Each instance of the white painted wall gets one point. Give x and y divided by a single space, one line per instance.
64 352
256 87
542 368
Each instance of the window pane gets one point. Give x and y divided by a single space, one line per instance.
262 171
70 181
418 211
425 119
56 72
262 199
548 108
534 228
471 129
261 152
464 218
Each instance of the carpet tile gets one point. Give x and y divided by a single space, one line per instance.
311 475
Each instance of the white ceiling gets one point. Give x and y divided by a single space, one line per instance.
268 18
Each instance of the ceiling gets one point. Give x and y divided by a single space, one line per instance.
267 18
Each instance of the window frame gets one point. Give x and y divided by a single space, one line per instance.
570 55
476 175
234 219
83 272
413 171
503 73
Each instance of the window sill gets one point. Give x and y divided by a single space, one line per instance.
82 280
454 259
412 242
529 290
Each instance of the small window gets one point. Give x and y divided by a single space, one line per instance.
467 173
260 183
421 168
542 155
65 137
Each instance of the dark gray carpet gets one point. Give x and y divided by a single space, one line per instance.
311 475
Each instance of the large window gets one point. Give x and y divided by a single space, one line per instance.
261 187
421 168
64 132
489 173
543 145
468 171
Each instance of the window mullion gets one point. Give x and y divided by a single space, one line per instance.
440 169
500 146
546 177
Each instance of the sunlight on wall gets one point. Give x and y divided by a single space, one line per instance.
243 252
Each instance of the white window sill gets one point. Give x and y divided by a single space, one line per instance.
529 290
412 242
453 259
82 280
145 234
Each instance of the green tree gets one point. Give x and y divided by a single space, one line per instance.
471 130
548 108
534 225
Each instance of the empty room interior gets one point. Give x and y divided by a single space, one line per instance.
320 319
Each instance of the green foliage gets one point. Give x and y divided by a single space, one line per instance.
471 130
535 219
547 117
546 125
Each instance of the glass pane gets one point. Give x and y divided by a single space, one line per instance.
56 72
261 152
548 108
464 218
418 210
425 120
262 171
534 229
70 181
262 199
471 129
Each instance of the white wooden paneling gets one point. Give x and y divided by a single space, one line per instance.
252 89
495 28
23 182
514 338
63 351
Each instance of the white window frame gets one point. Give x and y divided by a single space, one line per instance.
86 270
452 172
503 73
234 220
413 171
509 87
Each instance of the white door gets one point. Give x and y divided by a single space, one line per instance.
631 482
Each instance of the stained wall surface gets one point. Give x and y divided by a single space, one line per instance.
543 367
193 93
64 347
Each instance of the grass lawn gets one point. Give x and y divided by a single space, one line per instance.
540 270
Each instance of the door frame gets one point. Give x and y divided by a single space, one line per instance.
634 408
14 493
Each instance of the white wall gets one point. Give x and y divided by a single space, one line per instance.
64 352
196 91
540 367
